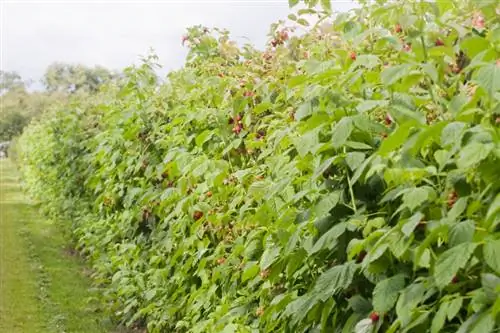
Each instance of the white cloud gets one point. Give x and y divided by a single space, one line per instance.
114 34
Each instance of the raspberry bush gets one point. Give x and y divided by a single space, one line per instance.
343 179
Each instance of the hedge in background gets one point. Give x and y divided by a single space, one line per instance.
343 180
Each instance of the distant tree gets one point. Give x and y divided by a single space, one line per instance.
10 81
70 78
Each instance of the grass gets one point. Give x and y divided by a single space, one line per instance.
43 287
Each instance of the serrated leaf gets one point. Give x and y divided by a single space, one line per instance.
488 78
431 71
482 322
396 139
393 74
450 261
415 197
462 232
410 297
493 212
269 257
368 105
452 133
329 239
386 292
326 203
203 137
472 154
490 283
360 305
354 159
458 208
411 224
341 132
250 272
454 307
367 60
304 110
334 280
307 143
491 253
439 318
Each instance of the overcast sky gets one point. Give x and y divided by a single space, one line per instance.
114 34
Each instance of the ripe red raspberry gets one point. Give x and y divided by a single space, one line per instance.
388 119
197 215
237 129
439 42
398 28
374 316
352 55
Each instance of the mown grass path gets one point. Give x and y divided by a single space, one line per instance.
43 288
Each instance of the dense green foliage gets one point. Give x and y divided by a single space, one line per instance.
342 180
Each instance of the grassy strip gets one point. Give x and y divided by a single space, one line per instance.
43 287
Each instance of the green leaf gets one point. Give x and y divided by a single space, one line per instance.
368 105
439 318
472 46
493 212
491 253
452 134
292 3
393 74
251 270
354 159
341 132
490 283
482 322
431 71
396 139
410 297
307 143
472 154
150 294
462 232
367 60
488 78
304 110
451 261
415 197
269 257
329 239
386 292
326 5
334 280
458 208
326 203
454 307
203 137
303 22
411 224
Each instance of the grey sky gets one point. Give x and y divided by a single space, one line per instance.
115 33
